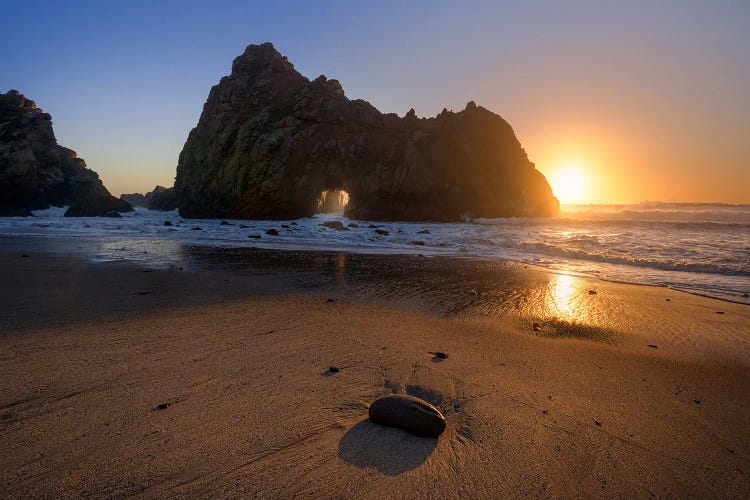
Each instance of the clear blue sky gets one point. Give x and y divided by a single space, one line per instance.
650 98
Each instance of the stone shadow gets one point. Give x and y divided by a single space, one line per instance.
390 450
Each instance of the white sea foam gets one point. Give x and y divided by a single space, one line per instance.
698 247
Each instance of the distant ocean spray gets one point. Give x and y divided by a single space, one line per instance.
701 248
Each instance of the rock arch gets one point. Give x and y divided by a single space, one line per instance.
269 141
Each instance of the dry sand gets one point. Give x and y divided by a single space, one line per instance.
238 361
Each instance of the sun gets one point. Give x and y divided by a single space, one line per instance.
569 184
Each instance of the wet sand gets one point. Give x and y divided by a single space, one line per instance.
213 380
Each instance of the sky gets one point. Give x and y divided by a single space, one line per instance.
639 100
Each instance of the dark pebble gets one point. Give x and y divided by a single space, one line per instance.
592 292
272 232
598 424
653 346
25 255
697 401
334 369
409 413
719 312
162 406
668 300
330 300
440 355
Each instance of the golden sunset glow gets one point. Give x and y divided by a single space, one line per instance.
570 184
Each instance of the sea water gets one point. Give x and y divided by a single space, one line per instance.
701 248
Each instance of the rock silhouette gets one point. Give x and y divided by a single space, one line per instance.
269 142
160 198
36 173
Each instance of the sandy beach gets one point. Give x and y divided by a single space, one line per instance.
212 380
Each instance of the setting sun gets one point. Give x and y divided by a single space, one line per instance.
569 184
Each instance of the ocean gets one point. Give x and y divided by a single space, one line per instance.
698 248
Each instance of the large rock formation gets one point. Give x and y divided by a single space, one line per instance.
269 142
160 198
36 173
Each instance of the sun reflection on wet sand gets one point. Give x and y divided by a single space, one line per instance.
562 300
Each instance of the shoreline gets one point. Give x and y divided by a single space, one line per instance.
214 380
72 247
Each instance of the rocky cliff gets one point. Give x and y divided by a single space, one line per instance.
160 198
36 173
269 142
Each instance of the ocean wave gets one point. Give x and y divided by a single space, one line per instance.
552 250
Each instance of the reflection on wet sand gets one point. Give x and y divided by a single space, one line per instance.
451 287
446 286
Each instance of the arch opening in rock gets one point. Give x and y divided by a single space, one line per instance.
333 201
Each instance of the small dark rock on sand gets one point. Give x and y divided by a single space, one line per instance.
167 223
592 292
745 295
409 413
272 232
25 255
536 327
440 355
382 231
653 346
161 406
254 236
424 231
334 369
719 312
668 300
330 300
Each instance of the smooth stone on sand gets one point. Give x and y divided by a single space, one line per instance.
409 413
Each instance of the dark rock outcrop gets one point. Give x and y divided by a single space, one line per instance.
135 199
269 142
160 198
36 173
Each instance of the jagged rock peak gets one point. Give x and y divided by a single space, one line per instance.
263 56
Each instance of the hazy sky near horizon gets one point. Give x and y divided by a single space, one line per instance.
650 100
